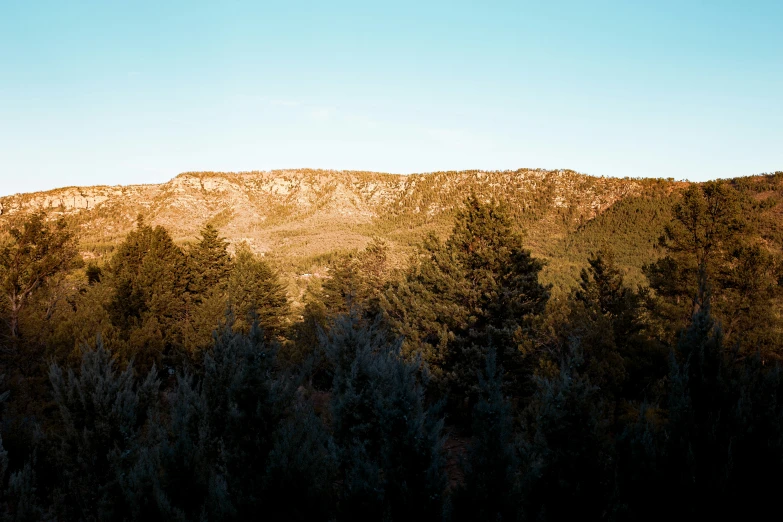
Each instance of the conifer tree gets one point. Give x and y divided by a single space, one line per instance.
390 443
302 465
607 319
257 294
150 280
23 503
19 501
209 265
32 251
566 455
223 428
711 249
641 470
725 423
491 486
102 416
210 262
478 288
357 281
149 275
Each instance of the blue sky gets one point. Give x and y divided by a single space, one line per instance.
136 92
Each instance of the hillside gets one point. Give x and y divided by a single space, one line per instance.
301 217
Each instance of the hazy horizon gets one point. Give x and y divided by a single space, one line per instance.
98 94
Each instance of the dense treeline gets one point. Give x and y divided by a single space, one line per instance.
180 382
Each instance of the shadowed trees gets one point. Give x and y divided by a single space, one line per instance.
452 389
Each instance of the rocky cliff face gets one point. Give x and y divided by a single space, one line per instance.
309 212
350 194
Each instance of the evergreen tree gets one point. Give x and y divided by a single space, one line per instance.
608 320
94 274
19 501
358 280
257 294
725 429
302 465
477 289
102 418
641 488
32 252
390 443
149 276
23 504
209 266
210 262
566 455
223 428
150 280
491 486
711 247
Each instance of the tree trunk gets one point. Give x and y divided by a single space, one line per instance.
16 306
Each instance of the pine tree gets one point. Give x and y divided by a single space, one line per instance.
491 486
150 280
302 465
257 294
477 289
357 280
32 252
566 455
390 443
712 248
607 318
209 266
223 427
150 276
23 503
102 416
725 430
210 262
642 492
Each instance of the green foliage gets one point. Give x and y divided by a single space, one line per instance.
608 321
568 407
149 275
721 439
209 261
94 274
102 417
358 280
490 490
390 443
712 249
630 229
303 464
566 455
222 428
32 252
241 443
256 293
480 288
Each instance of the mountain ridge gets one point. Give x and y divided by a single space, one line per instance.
304 216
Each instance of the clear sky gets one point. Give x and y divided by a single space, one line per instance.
127 92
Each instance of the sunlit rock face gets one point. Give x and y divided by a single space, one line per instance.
303 214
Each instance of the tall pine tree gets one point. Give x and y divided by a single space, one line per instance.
477 289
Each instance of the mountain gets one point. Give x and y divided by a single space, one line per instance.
302 217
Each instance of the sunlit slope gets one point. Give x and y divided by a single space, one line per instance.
302 217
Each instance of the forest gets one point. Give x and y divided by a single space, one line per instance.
169 381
